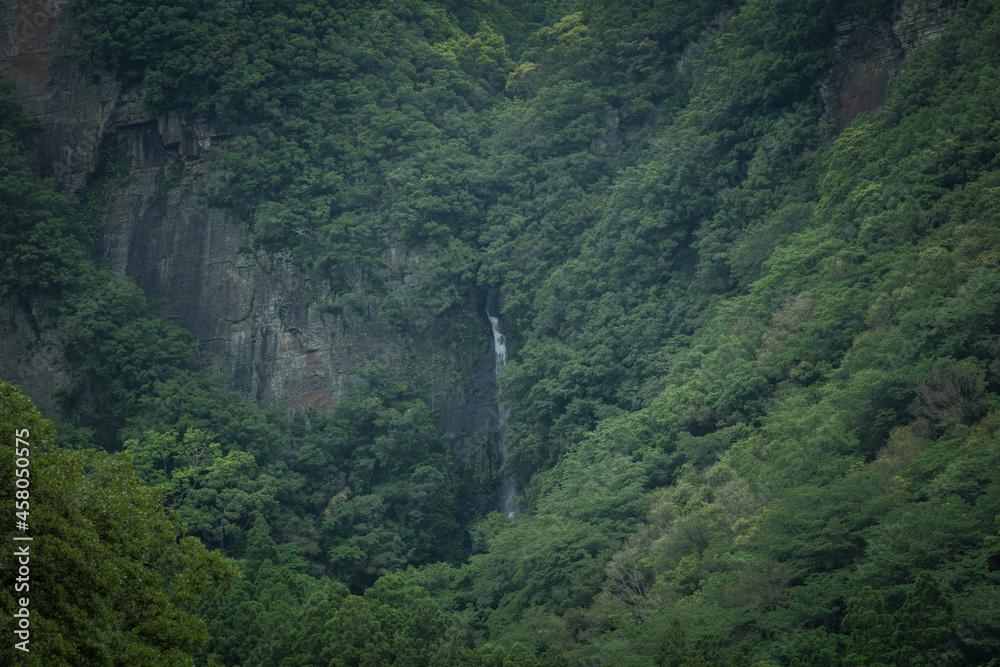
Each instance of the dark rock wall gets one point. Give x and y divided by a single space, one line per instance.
870 53
30 354
258 319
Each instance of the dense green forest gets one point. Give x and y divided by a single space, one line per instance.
755 360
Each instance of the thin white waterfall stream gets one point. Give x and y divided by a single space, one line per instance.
509 490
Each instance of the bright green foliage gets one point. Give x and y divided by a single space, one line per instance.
215 494
398 623
111 578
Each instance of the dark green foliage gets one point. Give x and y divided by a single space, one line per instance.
870 629
922 632
389 487
40 244
754 385
926 627
673 649
818 529
120 345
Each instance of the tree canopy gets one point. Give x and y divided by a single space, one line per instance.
753 383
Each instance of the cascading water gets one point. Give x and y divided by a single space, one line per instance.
508 492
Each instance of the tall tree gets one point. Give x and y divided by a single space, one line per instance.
111 573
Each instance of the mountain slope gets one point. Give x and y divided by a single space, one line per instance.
747 259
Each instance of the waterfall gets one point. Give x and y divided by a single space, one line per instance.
508 492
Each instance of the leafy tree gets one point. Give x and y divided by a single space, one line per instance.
926 628
111 576
753 363
817 648
42 242
871 629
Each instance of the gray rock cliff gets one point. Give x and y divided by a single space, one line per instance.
871 53
259 320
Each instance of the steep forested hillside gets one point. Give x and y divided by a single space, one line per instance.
755 345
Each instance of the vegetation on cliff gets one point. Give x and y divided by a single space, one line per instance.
754 389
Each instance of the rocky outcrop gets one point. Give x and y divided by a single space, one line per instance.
30 354
277 332
74 108
267 326
274 331
870 53
73 113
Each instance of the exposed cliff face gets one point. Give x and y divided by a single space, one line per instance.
73 113
73 110
257 317
871 53
254 314
259 320
30 354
